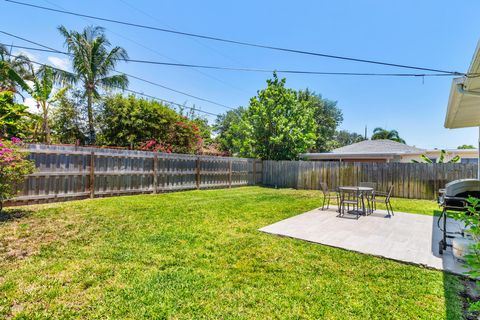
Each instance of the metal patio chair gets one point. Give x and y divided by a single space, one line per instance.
384 198
350 198
327 195
369 196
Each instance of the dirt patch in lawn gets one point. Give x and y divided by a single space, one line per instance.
22 233
470 295
14 214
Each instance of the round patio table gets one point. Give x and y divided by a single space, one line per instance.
363 192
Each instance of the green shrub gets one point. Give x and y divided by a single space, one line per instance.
471 219
13 168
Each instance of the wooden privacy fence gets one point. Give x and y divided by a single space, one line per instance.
410 180
67 173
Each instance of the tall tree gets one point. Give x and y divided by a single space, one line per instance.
327 117
200 121
344 138
44 80
93 63
226 128
127 121
15 120
277 125
466 146
68 118
130 121
13 71
380 133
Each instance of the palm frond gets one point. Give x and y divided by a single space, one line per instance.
119 81
111 59
60 93
12 76
455 159
441 158
426 159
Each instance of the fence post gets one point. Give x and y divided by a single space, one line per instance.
197 173
92 175
155 160
230 173
254 169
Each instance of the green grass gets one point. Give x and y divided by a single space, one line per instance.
198 254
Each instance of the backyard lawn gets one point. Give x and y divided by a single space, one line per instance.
198 254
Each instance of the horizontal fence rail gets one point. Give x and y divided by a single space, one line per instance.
410 180
68 173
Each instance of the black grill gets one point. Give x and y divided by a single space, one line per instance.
454 198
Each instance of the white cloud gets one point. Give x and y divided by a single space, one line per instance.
61 63
28 54
31 104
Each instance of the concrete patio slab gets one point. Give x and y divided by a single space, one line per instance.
406 237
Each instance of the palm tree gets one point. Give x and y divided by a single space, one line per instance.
380 133
13 70
93 63
44 80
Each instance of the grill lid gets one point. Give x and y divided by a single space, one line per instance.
462 188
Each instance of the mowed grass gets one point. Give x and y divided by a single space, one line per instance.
199 255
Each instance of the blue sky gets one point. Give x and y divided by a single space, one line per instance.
435 34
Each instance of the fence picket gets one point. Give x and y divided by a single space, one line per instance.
410 180
66 173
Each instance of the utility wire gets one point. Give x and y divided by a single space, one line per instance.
120 35
53 50
174 90
170 102
249 69
202 43
32 42
249 44
128 90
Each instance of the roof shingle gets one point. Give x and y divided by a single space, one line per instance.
377 146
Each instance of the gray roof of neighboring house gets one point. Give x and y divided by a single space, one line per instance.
368 149
377 146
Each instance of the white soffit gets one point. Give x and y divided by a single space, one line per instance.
464 108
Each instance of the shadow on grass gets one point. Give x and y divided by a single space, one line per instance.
459 290
13 214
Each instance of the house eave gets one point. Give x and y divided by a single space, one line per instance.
338 156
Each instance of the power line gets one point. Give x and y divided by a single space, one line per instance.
175 90
202 43
34 49
128 90
219 80
32 42
171 102
53 50
290 71
254 69
249 44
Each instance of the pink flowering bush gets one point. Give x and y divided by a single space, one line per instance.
154 145
184 137
13 167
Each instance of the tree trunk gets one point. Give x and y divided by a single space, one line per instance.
91 129
46 127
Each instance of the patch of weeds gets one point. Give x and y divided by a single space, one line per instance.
14 214
471 294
